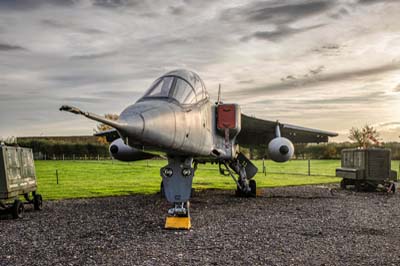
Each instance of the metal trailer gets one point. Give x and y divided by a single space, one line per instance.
367 169
17 177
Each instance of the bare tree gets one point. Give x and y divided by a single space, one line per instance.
365 137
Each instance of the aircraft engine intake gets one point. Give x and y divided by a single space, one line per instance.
280 149
125 153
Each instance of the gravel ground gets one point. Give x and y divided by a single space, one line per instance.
309 225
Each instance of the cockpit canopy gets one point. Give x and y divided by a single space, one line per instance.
184 86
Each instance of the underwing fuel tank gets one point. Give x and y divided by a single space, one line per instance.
122 152
280 149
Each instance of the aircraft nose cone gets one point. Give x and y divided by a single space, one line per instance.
284 149
134 125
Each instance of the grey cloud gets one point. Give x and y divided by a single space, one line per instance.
29 4
328 50
366 98
280 33
277 12
94 56
343 11
249 81
309 104
176 10
320 79
92 31
90 77
8 47
68 25
367 2
311 73
331 47
397 88
115 3
118 94
317 70
397 124
288 78
83 99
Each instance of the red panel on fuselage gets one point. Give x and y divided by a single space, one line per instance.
226 116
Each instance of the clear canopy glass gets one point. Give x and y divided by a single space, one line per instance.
184 86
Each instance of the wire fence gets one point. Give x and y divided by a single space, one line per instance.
324 168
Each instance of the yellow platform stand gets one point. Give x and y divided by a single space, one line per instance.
176 222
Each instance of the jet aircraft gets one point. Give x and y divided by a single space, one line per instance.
176 118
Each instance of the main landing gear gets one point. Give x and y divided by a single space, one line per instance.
245 170
176 185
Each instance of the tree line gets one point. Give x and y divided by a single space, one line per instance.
317 151
60 149
91 147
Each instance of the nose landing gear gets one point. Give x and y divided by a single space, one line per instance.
177 179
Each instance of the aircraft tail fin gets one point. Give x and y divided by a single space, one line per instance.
92 116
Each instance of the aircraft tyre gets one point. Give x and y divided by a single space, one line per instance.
393 188
252 193
253 188
17 210
343 183
37 202
162 191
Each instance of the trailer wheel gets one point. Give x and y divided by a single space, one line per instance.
393 188
17 210
343 183
37 202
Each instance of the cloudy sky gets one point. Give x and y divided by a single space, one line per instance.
329 64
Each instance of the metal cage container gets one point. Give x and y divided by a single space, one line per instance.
367 168
17 177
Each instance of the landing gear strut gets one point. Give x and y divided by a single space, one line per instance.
176 186
245 171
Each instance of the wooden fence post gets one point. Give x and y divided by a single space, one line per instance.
264 168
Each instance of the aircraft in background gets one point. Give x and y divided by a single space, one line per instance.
176 118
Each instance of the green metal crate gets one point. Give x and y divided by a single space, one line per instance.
367 168
17 172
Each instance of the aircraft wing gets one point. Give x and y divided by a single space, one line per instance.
257 131
110 135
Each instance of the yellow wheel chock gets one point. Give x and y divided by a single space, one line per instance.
177 222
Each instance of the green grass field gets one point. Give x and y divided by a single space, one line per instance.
80 179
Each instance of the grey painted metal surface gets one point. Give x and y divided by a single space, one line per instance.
17 172
177 179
